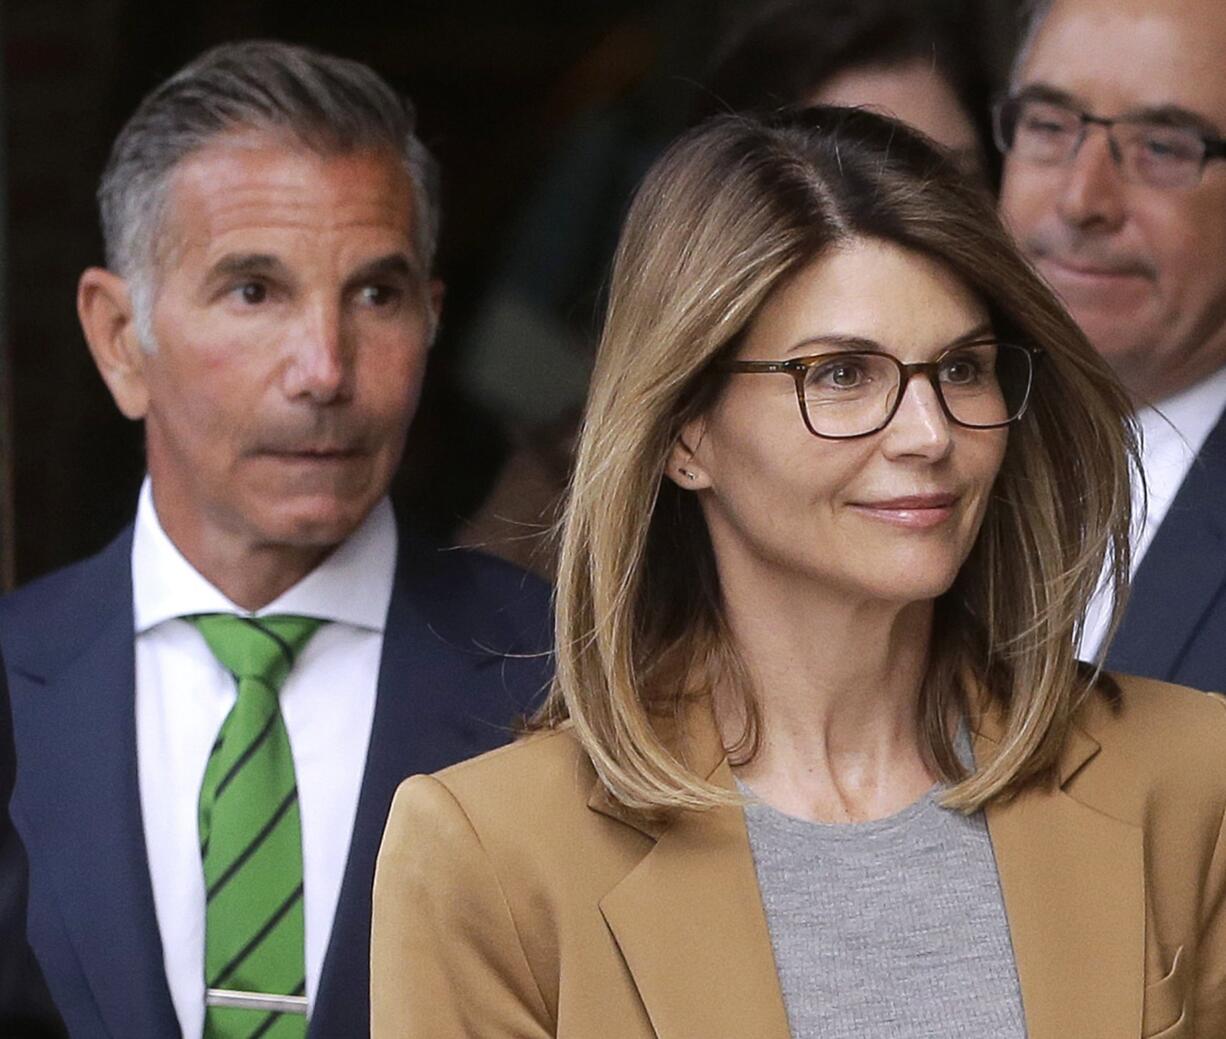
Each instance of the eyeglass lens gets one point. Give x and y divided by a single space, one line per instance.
1150 153
851 394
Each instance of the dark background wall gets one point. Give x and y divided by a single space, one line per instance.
500 87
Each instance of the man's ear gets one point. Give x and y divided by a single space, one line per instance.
104 305
683 468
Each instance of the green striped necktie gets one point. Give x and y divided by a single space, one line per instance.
251 839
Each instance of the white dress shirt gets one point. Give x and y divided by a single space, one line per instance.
1172 434
183 694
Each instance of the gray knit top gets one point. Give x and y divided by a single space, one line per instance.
891 929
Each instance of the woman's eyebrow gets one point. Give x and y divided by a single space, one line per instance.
835 342
983 331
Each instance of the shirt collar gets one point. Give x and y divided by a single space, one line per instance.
1181 423
352 586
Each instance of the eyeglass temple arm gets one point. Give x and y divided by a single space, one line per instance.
758 366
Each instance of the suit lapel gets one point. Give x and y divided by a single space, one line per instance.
1074 888
427 679
78 789
344 987
1181 574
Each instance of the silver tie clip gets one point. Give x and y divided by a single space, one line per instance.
222 997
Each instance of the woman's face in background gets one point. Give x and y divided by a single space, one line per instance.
886 517
914 93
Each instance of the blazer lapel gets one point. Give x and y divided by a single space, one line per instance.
78 789
1073 883
688 919
1074 888
1181 574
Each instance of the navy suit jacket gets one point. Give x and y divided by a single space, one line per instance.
25 1006
462 659
1175 625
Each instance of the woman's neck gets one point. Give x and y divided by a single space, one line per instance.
837 686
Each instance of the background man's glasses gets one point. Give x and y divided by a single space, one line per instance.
1146 151
981 385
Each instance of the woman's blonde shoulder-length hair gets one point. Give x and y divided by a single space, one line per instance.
721 221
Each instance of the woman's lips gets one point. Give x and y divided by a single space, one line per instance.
914 512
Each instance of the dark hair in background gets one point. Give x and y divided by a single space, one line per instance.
784 51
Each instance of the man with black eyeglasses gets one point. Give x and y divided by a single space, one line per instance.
1115 185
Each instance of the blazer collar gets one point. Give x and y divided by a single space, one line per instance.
987 727
1072 880
691 737
693 900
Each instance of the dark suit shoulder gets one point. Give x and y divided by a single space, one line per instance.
59 614
486 570
47 596
475 600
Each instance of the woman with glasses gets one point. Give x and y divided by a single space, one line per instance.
819 759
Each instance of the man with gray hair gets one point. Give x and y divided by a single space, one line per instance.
1115 185
212 715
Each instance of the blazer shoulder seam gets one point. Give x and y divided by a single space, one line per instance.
502 894
511 749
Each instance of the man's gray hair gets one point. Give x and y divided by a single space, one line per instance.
331 105
1033 12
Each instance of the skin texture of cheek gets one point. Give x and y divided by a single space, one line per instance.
797 507
833 553
791 512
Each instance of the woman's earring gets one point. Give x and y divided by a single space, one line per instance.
688 475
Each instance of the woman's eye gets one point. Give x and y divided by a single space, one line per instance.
841 375
960 372
845 375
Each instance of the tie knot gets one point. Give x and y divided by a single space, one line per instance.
256 647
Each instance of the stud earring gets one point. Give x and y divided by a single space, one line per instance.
688 475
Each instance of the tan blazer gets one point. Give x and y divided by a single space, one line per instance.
513 897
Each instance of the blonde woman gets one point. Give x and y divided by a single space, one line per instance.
819 759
